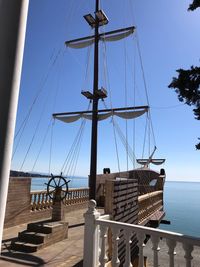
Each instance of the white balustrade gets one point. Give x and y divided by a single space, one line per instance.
141 245
128 235
96 225
188 253
171 244
155 248
115 239
103 257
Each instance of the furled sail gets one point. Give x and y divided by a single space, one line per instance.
123 115
110 37
116 37
153 161
78 45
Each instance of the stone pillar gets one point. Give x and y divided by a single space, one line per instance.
58 206
91 236
13 17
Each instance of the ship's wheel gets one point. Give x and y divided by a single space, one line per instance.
57 187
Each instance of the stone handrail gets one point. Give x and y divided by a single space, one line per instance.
148 204
40 199
77 195
96 234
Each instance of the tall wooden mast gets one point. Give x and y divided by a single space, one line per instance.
100 19
93 157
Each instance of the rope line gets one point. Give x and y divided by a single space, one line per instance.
107 82
42 144
70 158
41 87
51 145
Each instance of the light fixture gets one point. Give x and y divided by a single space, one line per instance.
102 18
90 20
87 94
101 93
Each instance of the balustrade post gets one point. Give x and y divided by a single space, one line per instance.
155 248
141 245
91 238
103 234
171 245
115 239
38 201
128 235
188 254
43 206
34 202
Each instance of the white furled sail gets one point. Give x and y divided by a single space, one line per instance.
116 37
81 43
78 45
123 115
153 161
129 114
157 161
69 119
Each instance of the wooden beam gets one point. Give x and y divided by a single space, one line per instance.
99 111
100 35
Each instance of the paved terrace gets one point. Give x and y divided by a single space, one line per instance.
69 252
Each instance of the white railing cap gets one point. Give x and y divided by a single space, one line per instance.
150 231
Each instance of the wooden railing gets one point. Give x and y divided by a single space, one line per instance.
149 204
98 228
41 201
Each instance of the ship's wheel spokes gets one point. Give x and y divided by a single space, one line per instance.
57 187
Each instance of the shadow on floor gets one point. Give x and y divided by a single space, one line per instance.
76 225
79 264
21 258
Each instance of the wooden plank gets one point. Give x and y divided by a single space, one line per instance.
157 216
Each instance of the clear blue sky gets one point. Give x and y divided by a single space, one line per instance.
169 39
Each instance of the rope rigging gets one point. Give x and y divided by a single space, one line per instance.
42 144
70 163
20 131
107 84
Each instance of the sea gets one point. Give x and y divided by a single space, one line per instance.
182 207
181 203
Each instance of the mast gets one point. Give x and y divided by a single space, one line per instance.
100 19
93 157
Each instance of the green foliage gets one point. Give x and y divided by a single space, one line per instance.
187 86
198 145
194 5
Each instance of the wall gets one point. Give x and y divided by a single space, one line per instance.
121 202
18 209
143 176
18 201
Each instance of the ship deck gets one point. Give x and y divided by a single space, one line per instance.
69 252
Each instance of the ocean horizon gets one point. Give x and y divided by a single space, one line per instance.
181 203
182 207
